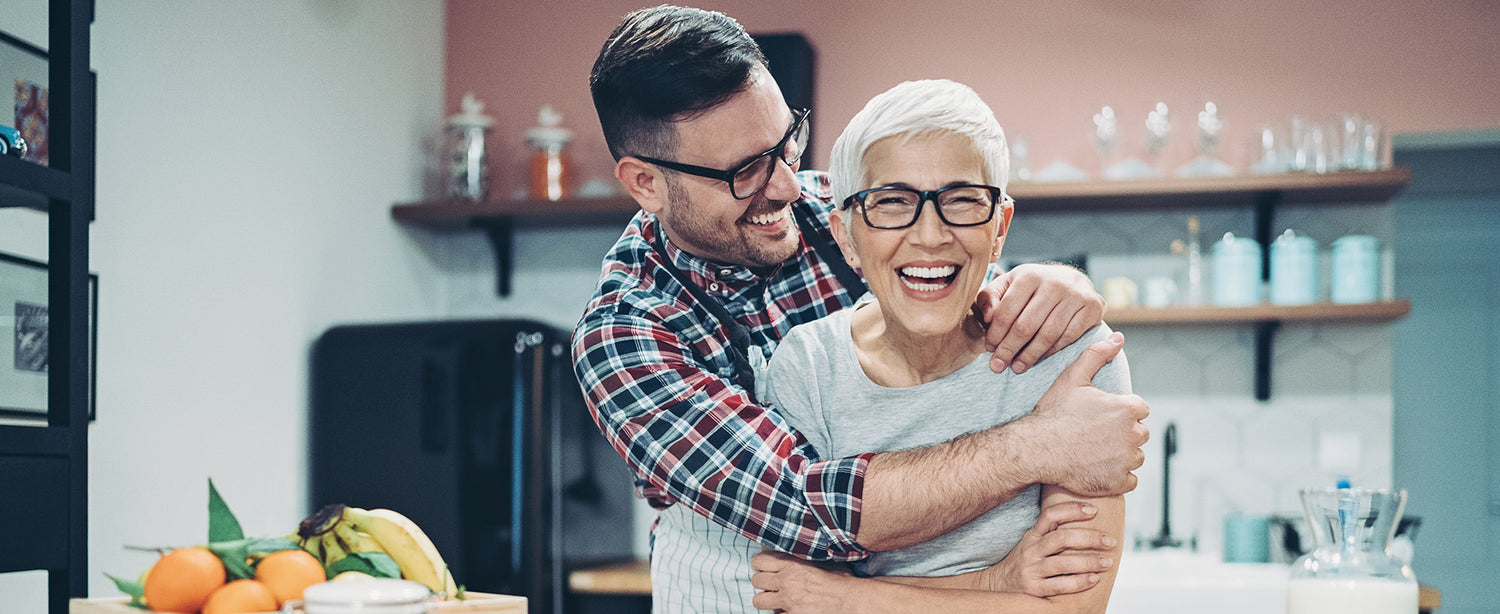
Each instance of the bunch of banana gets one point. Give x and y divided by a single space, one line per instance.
406 544
337 530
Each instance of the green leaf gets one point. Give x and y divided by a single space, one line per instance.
233 553
378 564
267 545
222 525
136 590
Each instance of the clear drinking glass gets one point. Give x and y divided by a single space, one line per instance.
1350 569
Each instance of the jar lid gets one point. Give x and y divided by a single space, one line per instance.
375 591
1231 244
473 114
1355 240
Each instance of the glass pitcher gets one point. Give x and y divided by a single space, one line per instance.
1349 569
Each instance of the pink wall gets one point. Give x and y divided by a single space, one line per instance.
1045 67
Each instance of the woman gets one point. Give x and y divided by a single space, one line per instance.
921 175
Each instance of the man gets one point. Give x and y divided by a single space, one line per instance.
730 252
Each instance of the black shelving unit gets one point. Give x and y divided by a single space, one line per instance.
44 468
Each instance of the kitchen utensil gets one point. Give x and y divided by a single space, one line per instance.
1349 569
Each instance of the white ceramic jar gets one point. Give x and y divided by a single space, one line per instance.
373 596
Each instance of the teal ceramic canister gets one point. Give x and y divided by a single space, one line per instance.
1356 270
1236 271
1294 270
1247 539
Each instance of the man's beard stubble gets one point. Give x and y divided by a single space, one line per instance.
694 233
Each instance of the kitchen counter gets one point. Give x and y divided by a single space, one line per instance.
1195 583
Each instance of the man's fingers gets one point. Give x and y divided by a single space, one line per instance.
1003 317
1093 358
1022 332
1049 335
772 601
1067 585
1077 326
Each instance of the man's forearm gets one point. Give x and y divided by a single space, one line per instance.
912 496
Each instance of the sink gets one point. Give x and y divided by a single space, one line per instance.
1183 582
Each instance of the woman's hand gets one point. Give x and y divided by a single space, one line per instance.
1034 310
793 585
1052 558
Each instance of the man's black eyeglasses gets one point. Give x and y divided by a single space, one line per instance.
894 207
751 177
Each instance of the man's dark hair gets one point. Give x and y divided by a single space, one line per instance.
663 65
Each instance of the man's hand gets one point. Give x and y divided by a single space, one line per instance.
1052 559
1035 310
1082 438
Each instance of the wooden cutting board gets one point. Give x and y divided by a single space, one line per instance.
477 603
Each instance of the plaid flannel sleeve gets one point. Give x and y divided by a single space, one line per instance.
697 439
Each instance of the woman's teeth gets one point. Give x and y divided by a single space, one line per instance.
927 279
769 218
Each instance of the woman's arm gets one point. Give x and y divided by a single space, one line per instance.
796 587
1056 556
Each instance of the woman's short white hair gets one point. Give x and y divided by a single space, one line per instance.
918 108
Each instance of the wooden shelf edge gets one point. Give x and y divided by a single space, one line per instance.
462 213
1285 182
1317 312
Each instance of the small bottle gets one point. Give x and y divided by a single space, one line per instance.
1194 291
551 172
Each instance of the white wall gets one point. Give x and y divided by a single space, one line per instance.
248 156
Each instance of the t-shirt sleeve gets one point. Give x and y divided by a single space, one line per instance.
791 386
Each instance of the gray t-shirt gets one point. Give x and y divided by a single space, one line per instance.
815 380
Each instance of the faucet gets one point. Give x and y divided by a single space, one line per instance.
1169 449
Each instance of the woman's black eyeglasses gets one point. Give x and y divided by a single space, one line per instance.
751 177
893 207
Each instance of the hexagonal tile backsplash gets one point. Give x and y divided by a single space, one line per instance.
1330 409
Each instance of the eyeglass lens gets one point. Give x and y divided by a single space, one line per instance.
753 177
957 205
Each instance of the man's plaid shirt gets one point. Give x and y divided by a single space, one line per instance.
657 372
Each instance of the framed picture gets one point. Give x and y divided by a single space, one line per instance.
24 337
24 66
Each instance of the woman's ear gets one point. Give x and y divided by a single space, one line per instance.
1001 231
841 236
643 182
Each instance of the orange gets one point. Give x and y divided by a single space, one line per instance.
289 572
241 597
182 580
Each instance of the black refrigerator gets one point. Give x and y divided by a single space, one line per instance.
477 431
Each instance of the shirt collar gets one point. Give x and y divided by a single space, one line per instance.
708 273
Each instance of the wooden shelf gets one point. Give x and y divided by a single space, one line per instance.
1303 188
1384 311
456 214
1292 188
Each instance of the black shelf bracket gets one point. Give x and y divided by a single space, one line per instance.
499 231
1265 332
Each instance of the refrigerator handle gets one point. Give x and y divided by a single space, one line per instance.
436 403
